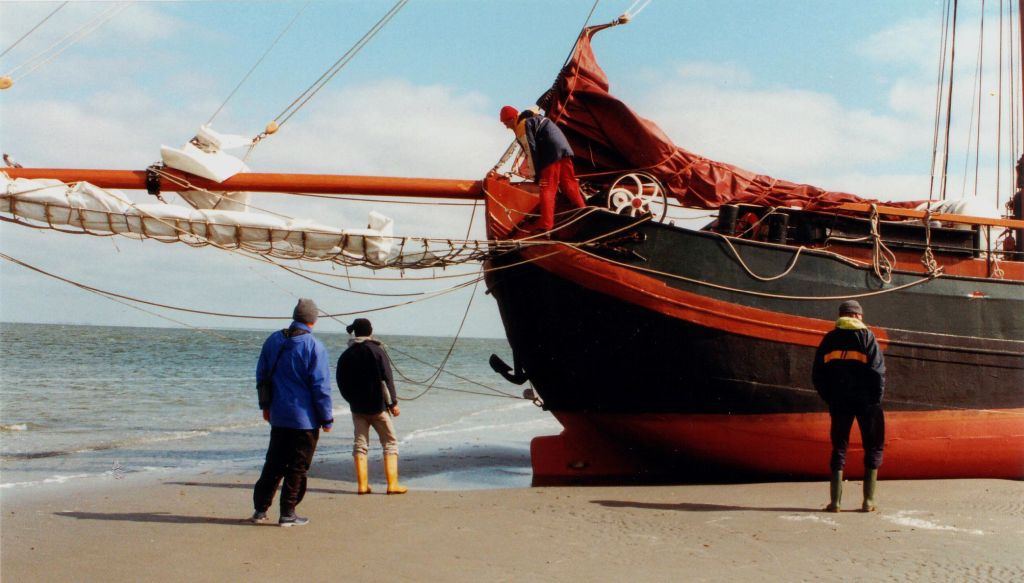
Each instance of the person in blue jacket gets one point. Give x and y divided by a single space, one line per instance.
849 374
297 364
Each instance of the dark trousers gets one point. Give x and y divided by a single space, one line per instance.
871 421
288 457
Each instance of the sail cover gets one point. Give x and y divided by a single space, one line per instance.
609 137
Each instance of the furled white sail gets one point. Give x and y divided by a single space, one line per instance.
101 211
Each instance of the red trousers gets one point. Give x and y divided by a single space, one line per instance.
554 177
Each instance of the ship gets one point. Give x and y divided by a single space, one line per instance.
670 352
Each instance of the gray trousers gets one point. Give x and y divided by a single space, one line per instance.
381 423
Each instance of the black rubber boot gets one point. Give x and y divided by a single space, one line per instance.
836 491
870 481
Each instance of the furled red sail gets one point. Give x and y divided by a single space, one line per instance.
609 137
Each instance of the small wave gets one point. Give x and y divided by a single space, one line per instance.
50 480
14 427
439 430
142 440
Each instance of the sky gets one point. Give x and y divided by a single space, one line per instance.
836 94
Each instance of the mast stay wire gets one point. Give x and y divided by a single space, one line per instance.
999 108
259 61
33 29
974 130
949 100
68 41
940 83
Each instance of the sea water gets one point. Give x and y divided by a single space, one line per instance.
89 404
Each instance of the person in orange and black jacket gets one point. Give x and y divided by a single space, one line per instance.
366 382
550 157
849 374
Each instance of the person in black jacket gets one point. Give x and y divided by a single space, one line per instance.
849 374
365 381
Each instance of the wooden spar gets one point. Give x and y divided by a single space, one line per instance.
865 208
262 182
367 185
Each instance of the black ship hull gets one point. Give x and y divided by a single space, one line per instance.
660 344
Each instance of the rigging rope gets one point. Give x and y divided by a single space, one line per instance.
33 29
258 61
999 108
949 100
974 130
69 40
333 70
938 97
220 314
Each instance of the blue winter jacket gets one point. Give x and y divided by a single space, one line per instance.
302 379
547 143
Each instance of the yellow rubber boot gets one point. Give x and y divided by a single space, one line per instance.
391 471
362 474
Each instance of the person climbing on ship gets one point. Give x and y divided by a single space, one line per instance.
849 374
550 158
366 382
297 364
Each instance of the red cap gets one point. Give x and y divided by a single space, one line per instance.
508 113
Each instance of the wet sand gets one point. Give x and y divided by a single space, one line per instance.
194 530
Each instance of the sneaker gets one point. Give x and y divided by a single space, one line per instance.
258 517
292 520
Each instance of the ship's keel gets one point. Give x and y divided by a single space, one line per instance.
651 448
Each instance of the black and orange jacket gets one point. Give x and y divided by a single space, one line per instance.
849 369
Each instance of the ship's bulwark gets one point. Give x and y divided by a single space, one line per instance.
646 374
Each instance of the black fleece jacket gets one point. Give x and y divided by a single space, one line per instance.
849 369
362 369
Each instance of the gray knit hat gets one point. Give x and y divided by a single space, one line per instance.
850 307
305 311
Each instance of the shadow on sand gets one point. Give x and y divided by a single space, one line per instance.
161 517
696 507
338 467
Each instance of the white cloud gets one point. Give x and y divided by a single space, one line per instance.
911 43
782 132
716 73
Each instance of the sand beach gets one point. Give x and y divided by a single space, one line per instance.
141 528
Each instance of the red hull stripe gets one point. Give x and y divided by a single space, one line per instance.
639 289
933 444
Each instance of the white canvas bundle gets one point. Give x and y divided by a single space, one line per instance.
97 210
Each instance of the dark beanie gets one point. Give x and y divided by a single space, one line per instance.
305 311
360 326
850 307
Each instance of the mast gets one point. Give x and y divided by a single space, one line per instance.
1017 204
174 181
